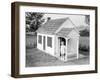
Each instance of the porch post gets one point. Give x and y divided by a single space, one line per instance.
66 49
58 46
77 48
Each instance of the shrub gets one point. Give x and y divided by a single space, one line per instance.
84 48
84 32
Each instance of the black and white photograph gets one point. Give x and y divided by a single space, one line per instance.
51 39
57 39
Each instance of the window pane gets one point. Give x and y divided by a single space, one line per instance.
49 41
40 39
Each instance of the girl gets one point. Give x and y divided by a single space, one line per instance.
62 50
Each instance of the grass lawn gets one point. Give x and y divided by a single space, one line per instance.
38 58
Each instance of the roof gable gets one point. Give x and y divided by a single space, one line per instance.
64 32
73 34
68 32
67 24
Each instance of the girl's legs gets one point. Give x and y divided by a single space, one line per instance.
62 56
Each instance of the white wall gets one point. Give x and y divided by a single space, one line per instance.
5 40
57 46
74 39
49 50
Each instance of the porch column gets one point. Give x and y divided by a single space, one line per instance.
58 46
66 49
77 48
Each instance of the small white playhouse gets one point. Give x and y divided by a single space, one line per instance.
50 35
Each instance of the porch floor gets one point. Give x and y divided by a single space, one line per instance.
71 57
36 58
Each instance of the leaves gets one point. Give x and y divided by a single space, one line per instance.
84 32
33 20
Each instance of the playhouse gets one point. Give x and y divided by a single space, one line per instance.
50 35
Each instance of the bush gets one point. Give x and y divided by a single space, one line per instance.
84 32
84 48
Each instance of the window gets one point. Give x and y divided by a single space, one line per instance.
40 39
49 41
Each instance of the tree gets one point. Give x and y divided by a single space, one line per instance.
33 21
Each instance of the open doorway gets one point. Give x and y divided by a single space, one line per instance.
62 47
61 39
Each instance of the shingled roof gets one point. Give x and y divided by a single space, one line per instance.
51 26
64 32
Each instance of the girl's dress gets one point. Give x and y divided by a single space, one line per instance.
63 49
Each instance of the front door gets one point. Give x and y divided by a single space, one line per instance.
44 43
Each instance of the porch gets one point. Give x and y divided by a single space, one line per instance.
71 46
